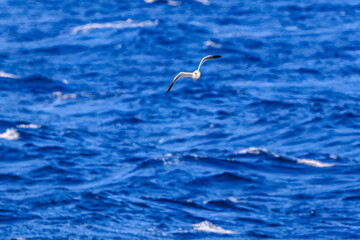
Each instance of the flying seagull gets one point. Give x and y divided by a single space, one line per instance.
194 75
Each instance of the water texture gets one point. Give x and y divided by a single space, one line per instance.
265 144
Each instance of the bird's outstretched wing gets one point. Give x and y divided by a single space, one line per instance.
181 74
207 58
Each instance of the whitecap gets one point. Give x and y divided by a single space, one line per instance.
253 150
60 95
10 134
174 3
309 162
313 163
232 199
7 75
30 125
129 23
205 2
212 44
207 226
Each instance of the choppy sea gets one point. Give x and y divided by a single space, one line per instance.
265 144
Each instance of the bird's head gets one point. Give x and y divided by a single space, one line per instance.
196 75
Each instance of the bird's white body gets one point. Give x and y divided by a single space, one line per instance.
194 75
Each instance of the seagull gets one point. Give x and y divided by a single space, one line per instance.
194 75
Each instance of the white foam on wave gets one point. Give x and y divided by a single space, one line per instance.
174 3
10 134
232 199
65 81
7 75
313 163
207 226
205 2
129 23
170 2
30 125
60 95
309 162
212 44
253 150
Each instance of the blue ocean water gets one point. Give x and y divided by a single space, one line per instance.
265 144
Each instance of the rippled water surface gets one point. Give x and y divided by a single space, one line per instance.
265 144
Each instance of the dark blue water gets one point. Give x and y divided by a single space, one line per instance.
265 144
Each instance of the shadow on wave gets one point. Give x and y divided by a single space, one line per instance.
32 84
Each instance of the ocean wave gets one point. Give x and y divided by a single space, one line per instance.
86 123
30 125
34 84
264 151
10 134
7 75
129 23
207 226
212 44
173 3
224 178
205 2
313 163
60 95
169 2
